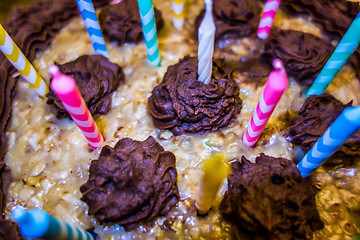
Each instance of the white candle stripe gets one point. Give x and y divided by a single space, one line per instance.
307 164
329 141
91 134
271 6
346 47
8 46
318 154
85 6
21 62
151 34
257 121
95 144
75 110
156 61
148 17
97 39
245 140
334 64
86 123
253 133
263 106
262 35
178 23
177 8
91 23
104 53
32 76
323 79
42 89
266 22
153 49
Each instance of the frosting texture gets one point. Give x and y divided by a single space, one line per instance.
304 55
181 103
236 17
315 116
121 23
96 77
132 183
269 199
9 231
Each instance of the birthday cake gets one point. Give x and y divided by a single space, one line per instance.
160 124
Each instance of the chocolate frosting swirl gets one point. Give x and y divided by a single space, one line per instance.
304 55
132 183
96 77
315 117
269 199
121 22
333 16
33 28
182 104
9 230
236 17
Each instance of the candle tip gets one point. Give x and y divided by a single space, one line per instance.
54 71
278 65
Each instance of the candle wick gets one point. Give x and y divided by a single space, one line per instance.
278 65
54 71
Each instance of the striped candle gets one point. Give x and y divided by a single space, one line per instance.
343 51
65 88
341 129
36 223
216 169
178 13
206 44
21 63
267 18
88 14
274 88
147 16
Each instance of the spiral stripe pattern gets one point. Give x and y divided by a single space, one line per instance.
332 139
267 19
147 16
178 13
75 105
206 44
343 51
21 63
36 223
275 87
88 14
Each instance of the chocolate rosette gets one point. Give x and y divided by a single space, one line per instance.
269 199
303 54
333 16
181 103
33 28
315 117
96 77
121 23
132 183
236 17
9 231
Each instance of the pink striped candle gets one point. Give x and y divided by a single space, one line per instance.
275 87
267 19
65 88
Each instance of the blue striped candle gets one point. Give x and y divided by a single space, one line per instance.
343 51
36 223
147 16
341 129
88 14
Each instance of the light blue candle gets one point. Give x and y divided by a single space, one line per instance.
341 129
147 16
36 223
343 51
87 11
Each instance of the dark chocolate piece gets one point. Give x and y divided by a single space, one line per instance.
132 183
315 116
269 199
96 77
182 104
304 55
239 18
121 23
9 230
